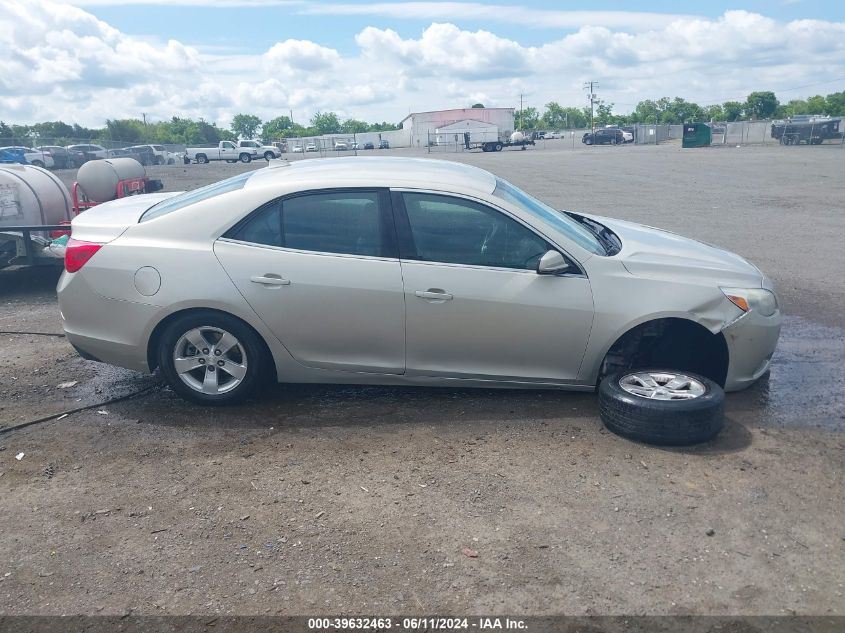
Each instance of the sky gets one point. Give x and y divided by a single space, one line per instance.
85 61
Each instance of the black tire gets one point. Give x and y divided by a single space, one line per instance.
258 365
228 160
159 160
202 159
662 422
588 141
245 158
268 155
498 147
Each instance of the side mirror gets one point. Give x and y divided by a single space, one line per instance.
552 263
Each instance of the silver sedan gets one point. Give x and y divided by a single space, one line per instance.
403 271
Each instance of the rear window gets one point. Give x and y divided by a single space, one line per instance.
197 195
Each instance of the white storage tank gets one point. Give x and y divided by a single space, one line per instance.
31 195
98 178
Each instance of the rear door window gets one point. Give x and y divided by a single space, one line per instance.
347 222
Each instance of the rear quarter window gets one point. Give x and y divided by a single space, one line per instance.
197 195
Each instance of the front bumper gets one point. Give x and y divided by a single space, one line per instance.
751 342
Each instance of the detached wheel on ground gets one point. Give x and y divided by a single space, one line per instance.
211 358
663 407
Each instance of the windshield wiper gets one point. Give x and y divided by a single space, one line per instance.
607 238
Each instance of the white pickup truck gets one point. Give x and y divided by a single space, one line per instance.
225 150
267 151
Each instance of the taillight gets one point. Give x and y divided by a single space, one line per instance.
77 254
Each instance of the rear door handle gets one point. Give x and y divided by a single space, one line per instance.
269 280
433 294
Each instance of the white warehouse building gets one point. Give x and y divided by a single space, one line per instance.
441 126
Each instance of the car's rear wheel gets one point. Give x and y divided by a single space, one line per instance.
202 159
211 358
268 155
245 158
662 406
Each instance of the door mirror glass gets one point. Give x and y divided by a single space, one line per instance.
552 263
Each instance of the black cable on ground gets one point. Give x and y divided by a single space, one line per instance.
47 418
36 333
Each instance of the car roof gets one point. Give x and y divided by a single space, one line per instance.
387 171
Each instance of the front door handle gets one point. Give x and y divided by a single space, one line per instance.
433 294
269 280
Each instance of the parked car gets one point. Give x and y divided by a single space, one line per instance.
91 152
311 147
369 145
39 158
269 152
603 137
341 146
225 150
627 134
119 153
441 274
551 135
159 153
383 144
297 149
143 154
12 155
63 158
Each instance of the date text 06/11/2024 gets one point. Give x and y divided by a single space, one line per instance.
374 624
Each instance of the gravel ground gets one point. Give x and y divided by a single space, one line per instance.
330 499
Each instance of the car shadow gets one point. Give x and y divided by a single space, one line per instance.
313 406
319 406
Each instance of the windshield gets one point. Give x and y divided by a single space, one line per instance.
197 195
566 225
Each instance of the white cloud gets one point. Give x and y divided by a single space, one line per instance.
446 49
302 55
61 62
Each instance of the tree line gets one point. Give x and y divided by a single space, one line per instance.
183 131
178 130
758 105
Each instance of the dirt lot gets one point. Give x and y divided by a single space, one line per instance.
359 500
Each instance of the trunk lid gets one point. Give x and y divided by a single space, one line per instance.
106 222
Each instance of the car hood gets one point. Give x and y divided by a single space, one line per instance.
655 253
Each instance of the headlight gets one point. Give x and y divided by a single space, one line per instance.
758 299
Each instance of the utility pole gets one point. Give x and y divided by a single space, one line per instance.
521 117
591 85
144 115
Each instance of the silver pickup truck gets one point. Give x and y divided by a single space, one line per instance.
225 150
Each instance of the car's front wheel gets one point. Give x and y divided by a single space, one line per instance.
662 406
211 358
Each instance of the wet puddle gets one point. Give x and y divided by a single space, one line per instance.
806 385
